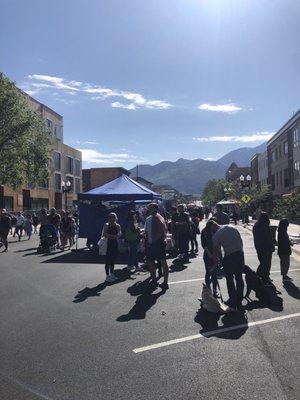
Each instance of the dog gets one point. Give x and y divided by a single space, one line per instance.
209 303
254 283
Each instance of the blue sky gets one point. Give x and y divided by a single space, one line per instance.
141 81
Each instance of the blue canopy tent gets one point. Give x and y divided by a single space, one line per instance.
122 189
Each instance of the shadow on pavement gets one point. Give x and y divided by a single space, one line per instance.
82 295
292 290
84 256
23 251
145 300
209 323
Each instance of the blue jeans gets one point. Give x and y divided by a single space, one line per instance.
133 254
233 267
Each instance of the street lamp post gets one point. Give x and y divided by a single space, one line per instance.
66 186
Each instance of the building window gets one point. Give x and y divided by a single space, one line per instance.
57 161
69 165
77 167
44 184
77 185
296 137
286 177
276 153
57 182
49 124
279 150
285 148
273 156
71 180
280 178
276 179
297 169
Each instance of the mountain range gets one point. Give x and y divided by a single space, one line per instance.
191 176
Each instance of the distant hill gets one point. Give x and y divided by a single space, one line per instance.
190 176
242 156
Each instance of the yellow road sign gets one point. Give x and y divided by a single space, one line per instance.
245 199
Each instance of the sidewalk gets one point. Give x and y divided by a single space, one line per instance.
293 231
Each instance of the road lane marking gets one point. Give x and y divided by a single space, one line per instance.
186 281
211 333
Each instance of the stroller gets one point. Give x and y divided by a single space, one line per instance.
48 239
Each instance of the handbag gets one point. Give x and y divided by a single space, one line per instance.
102 244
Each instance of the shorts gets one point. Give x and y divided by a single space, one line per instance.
157 250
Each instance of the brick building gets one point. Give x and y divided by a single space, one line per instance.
65 165
95 177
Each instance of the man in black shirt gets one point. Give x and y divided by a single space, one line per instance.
5 226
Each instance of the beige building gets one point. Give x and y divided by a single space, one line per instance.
65 165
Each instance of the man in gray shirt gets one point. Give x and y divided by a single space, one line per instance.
230 240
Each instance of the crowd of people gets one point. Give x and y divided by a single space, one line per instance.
56 229
221 242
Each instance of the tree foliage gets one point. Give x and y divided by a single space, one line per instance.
24 140
218 189
288 207
213 191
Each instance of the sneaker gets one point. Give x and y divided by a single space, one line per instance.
108 278
164 286
287 279
113 278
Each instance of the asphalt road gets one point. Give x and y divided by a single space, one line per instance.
66 335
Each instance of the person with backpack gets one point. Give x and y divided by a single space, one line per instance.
264 245
284 249
132 237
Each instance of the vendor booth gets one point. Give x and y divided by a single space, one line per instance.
230 206
119 196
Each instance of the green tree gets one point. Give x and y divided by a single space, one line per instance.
24 140
288 207
213 191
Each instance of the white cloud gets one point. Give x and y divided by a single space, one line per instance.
254 137
135 100
130 106
224 108
86 142
158 104
31 92
90 156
